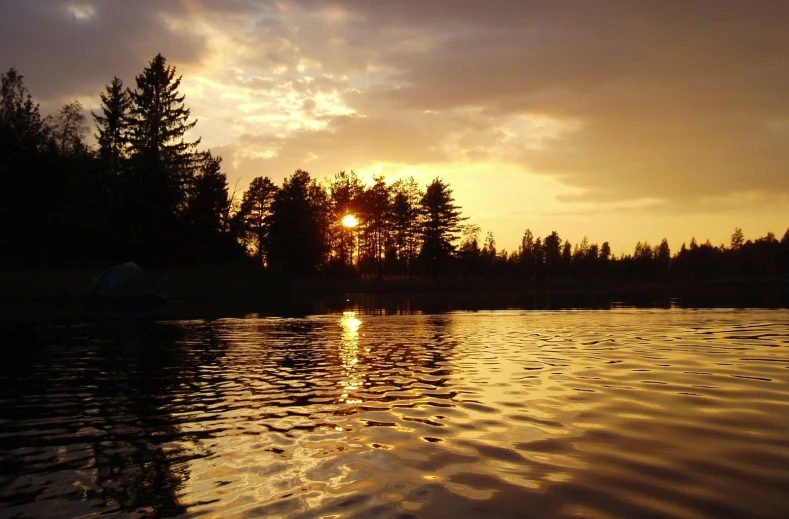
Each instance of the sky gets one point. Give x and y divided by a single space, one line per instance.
622 121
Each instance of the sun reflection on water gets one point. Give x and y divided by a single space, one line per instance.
349 355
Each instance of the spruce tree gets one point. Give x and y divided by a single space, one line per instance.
441 226
112 126
162 162
208 210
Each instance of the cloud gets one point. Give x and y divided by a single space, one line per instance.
67 49
673 101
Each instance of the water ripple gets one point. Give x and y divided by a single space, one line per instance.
487 414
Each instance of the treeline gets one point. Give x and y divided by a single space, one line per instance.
146 193
550 258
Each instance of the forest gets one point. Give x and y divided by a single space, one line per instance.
146 193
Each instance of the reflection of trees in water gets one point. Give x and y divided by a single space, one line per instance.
134 466
120 386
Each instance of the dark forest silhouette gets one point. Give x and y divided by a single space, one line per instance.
148 194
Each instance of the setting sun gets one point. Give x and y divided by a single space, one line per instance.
349 220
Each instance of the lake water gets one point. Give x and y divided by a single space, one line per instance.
619 413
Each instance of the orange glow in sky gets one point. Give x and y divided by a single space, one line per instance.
572 117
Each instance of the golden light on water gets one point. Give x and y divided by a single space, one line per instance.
349 354
349 220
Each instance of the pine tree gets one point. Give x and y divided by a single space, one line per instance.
406 206
208 196
255 213
162 163
376 215
208 210
158 124
297 230
440 228
345 191
112 126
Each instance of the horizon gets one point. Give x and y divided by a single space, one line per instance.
622 125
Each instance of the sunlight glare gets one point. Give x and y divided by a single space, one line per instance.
349 220
349 356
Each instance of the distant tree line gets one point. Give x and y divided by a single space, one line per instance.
550 258
147 193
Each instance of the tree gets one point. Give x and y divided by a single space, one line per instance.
406 200
527 259
158 124
440 228
737 239
663 258
784 254
163 161
552 245
605 252
255 214
23 136
346 192
68 128
376 204
21 125
470 240
297 241
469 251
489 249
208 198
208 212
112 126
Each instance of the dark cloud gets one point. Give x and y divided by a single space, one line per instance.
63 56
675 99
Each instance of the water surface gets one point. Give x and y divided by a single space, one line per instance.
622 413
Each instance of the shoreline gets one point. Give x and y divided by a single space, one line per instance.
61 294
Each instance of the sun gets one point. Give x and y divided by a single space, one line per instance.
349 220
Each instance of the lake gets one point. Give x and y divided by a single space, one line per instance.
581 413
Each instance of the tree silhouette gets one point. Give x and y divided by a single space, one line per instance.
441 226
147 194
376 205
21 125
255 215
345 194
297 234
737 239
406 200
162 159
663 259
553 256
23 139
208 207
112 126
68 128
